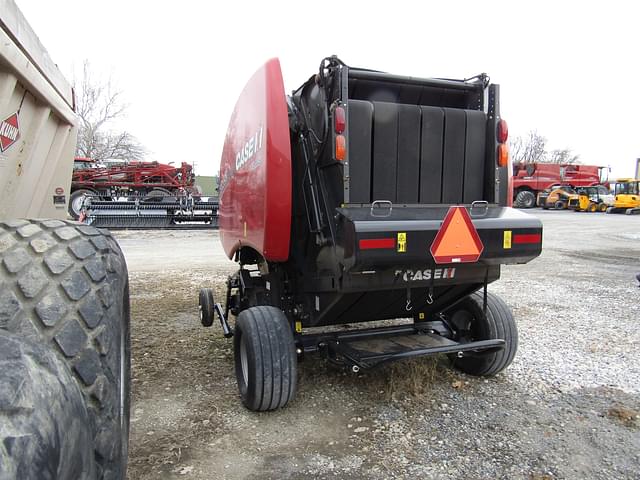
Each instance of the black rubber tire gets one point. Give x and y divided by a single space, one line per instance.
64 285
263 337
499 323
525 199
205 307
43 416
74 200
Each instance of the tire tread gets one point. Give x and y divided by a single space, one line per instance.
59 313
274 369
500 324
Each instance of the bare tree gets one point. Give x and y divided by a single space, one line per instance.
529 149
516 149
98 106
562 156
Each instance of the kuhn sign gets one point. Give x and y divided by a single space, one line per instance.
9 132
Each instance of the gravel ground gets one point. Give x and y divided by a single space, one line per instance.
566 408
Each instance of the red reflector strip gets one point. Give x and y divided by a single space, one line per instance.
530 238
373 243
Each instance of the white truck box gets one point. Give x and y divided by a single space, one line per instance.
38 126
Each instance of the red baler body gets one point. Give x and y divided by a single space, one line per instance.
255 171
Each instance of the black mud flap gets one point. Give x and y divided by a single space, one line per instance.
368 349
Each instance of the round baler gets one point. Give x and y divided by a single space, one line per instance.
365 196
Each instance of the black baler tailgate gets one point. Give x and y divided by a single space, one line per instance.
405 236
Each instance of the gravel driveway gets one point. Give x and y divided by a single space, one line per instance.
566 408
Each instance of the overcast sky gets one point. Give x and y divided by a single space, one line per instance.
570 70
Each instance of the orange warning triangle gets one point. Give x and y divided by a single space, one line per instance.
457 241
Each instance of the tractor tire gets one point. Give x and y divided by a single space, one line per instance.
525 199
75 202
602 207
559 205
466 316
593 207
205 307
43 416
64 288
265 358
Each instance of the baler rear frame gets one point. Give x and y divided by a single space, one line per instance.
435 336
352 237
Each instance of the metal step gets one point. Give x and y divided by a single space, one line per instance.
368 351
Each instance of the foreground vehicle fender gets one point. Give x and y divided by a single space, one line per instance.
64 287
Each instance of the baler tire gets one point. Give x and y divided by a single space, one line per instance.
265 358
64 286
205 306
525 199
73 198
498 324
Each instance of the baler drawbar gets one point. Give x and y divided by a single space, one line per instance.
366 197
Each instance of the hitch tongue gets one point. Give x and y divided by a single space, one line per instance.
226 329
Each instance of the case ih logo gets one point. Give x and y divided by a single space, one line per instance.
9 132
